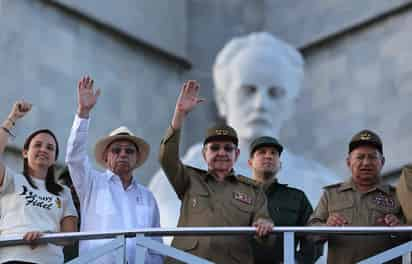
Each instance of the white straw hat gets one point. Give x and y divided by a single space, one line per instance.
121 133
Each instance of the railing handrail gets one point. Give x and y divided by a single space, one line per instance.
206 231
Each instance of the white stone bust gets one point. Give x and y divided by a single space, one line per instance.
257 79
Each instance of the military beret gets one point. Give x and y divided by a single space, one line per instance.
265 142
366 138
221 132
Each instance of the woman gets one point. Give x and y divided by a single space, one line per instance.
32 203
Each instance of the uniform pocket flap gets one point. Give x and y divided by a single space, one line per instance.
198 192
242 206
341 205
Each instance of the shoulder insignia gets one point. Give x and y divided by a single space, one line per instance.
247 180
335 185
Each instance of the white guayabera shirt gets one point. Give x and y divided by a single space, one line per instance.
105 205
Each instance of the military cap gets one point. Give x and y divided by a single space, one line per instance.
366 137
265 142
221 132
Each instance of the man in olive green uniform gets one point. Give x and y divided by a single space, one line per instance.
360 201
287 206
404 192
216 197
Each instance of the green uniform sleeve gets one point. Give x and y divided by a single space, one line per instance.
171 163
404 193
321 213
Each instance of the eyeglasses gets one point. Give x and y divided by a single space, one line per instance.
127 150
227 147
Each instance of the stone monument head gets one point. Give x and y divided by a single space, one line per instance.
257 79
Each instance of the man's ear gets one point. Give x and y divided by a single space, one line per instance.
383 160
203 153
249 162
105 156
237 153
348 161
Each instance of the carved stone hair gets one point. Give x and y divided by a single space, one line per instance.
285 55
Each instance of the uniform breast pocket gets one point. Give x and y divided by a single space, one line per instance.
344 208
381 207
198 202
239 212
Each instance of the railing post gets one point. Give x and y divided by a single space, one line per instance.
120 254
289 247
140 251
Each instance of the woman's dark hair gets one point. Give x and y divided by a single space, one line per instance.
51 185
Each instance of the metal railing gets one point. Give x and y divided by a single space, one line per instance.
118 244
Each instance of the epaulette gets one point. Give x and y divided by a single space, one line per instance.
332 185
247 180
196 169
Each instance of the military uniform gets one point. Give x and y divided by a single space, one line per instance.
404 192
359 209
237 201
287 207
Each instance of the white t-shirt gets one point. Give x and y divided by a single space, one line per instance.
24 209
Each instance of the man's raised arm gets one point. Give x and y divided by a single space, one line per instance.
76 154
169 148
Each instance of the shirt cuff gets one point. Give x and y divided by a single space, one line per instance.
81 124
171 134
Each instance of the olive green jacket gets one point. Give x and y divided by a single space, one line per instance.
404 192
238 201
359 209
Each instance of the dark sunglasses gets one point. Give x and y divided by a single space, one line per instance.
127 150
216 147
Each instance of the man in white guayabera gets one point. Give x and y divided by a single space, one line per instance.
257 80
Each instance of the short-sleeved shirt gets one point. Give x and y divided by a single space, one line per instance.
237 201
287 206
359 209
24 209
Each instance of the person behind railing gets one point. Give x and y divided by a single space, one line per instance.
32 203
362 200
257 81
113 199
287 206
404 192
216 197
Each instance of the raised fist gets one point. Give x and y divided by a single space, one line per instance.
20 109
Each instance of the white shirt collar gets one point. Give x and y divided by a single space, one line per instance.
110 176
